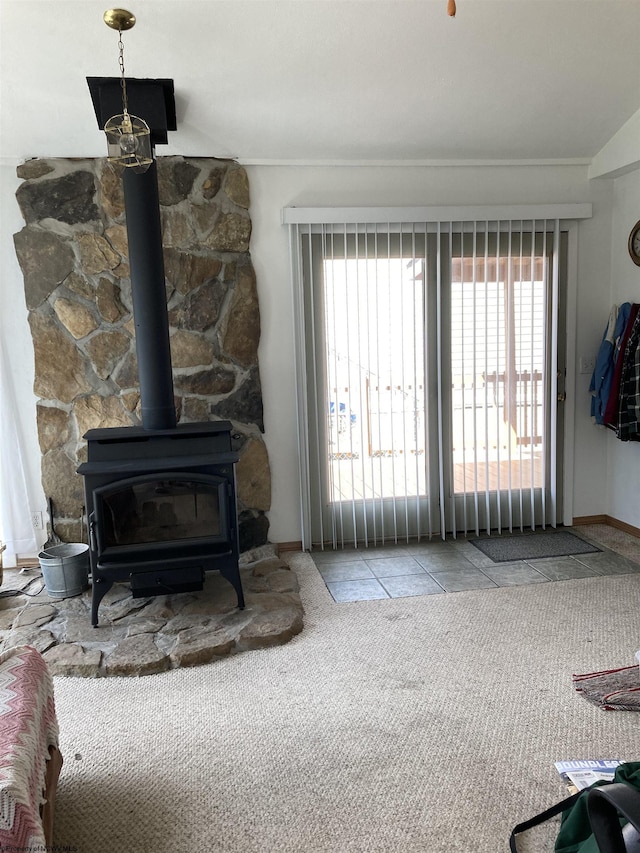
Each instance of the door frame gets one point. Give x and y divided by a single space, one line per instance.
302 221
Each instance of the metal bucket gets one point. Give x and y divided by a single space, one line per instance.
65 569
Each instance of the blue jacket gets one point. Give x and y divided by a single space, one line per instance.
600 384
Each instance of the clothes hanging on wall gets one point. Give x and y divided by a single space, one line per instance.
629 401
601 380
612 407
615 383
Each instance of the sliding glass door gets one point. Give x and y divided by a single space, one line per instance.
501 362
431 378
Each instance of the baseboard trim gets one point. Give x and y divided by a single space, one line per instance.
610 520
622 525
27 563
589 519
288 546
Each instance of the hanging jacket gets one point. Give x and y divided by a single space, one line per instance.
613 404
629 405
602 377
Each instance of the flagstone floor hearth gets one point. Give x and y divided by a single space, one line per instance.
140 636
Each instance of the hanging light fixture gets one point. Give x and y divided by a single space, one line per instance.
128 137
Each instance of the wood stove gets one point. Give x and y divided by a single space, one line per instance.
161 509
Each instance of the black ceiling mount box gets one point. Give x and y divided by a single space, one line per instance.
151 100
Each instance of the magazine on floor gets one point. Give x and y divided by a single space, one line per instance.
580 773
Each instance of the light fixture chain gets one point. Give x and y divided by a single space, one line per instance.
123 83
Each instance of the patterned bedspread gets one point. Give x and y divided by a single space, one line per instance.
28 727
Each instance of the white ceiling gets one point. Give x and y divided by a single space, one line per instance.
332 80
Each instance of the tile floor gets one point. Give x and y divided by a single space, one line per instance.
436 567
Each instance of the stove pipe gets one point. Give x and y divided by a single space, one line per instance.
144 232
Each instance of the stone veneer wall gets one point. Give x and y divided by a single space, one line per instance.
73 255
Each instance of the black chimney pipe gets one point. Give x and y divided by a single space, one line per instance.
154 101
144 232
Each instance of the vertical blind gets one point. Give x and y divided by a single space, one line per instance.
426 371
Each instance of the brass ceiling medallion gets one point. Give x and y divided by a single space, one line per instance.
119 19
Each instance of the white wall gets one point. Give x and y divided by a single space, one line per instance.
623 492
16 338
274 187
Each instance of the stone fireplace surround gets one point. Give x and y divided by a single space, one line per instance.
73 255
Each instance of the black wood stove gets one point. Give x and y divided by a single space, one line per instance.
161 498
161 508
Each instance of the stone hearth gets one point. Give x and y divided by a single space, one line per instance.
141 636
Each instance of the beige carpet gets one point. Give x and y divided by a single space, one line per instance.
425 724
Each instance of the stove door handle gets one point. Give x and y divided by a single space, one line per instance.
92 532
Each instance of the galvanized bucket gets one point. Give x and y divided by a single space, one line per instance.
65 569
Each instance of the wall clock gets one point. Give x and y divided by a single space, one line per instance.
634 243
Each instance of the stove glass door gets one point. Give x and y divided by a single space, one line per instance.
161 509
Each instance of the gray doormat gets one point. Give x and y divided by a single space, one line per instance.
532 546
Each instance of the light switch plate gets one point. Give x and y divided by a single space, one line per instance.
587 364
